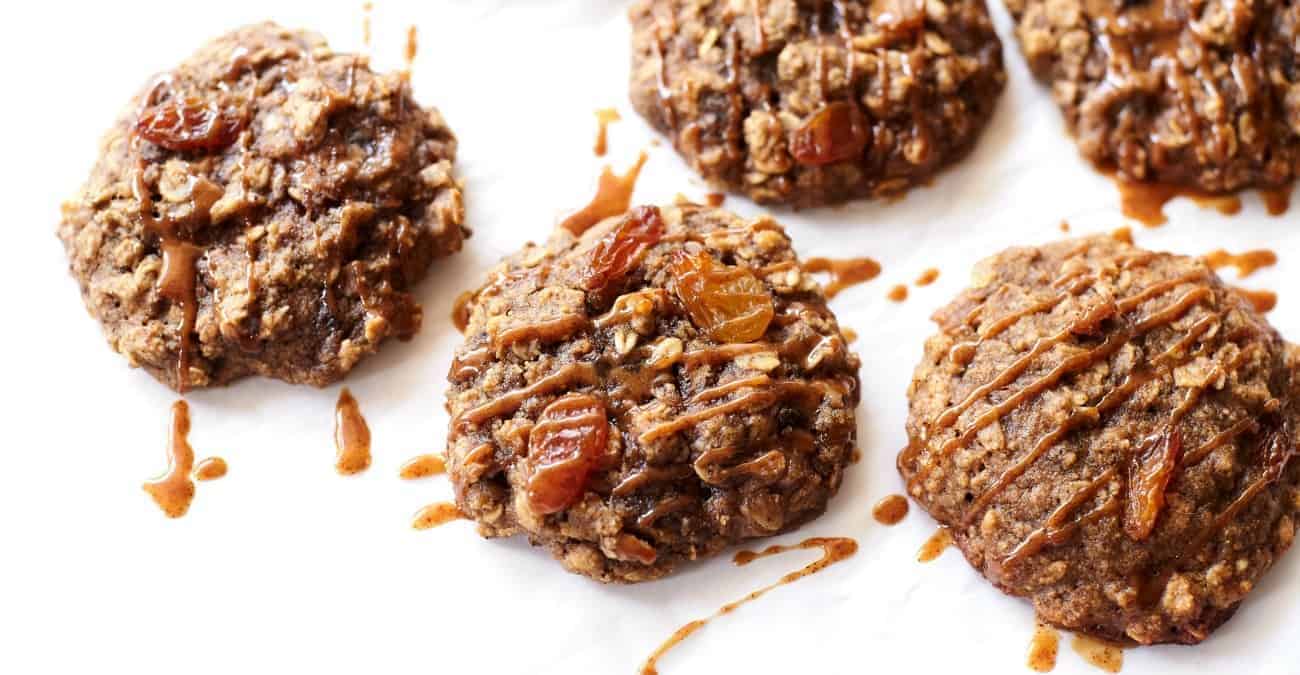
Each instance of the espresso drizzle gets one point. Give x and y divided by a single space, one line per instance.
174 490
834 550
844 272
613 197
423 466
604 118
351 436
433 515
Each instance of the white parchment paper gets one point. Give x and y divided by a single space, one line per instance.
283 566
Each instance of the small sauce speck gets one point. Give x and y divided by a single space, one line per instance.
423 466
613 197
1065 226
434 515
1104 655
891 510
934 546
898 293
1123 235
604 118
211 468
715 199
844 272
1264 301
365 22
1043 649
834 550
351 436
927 277
174 490
1246 263
849 334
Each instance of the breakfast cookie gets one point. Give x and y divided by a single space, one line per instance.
1201 94
811 102
649 392
1109 433
264 209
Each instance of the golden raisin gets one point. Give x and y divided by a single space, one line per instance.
1148 476
568 442
619 251
728 303
836 133
184 124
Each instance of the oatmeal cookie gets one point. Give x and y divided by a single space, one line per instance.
264 209
647 393
808 102
1203 94
1109 432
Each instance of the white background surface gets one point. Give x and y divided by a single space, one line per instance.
285 566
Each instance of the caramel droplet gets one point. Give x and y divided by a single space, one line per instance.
1263 301
898 293
927 277
351 436
1043 648
1123 235
1104 655
174 490
434 515
423 466
844 272
613 197
604 117
1246 263
935 545
891 510
211 468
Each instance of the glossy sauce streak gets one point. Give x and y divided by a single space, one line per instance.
1277 200
174 490
1246 263
845 272
1043 648
1145 202
935 545
434 515
891 510
351 436
211 468
897 293
1104 655
177 282
604 118
613 197
834 550
412 46
1264 301
460 310
423 466
927 277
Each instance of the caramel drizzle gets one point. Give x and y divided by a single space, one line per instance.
467 366
210 468
613 197
550 330
1088 416
1042 345
174 490
649 475
1246 263
752 401
582 373
604 117
177 282
844 273
723 353
631 305
834 550
1056 529
1243 426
